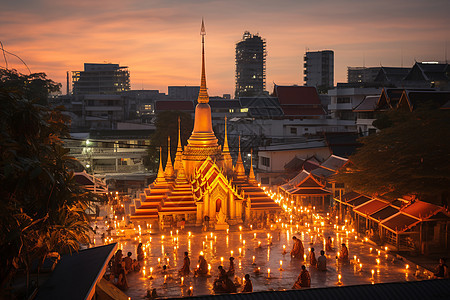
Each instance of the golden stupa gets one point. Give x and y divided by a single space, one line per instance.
202 187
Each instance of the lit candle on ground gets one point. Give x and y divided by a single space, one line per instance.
253 259
228 230
221 260
304 257
231 253
268 272
240 251
373 272
281 265
407 267
254 235
370 249
182 280
259 244
151 272
339 279
189 234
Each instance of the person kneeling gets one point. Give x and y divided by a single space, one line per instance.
303 280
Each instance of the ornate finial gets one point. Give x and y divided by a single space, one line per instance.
203 30
179 135
251 175
203 94
239 146
169 167
225 140
160 178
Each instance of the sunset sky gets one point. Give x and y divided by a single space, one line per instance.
160 43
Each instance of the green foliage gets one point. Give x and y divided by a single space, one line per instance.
42 209
409 156
35 87
167 125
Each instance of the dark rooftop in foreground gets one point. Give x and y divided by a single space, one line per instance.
76 275
412 290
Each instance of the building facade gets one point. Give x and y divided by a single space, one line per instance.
319 68
250 66
100 79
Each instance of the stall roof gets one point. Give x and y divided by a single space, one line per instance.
384 213
399 222
358 201
315 191
370 207
421 210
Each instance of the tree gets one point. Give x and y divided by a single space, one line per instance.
43 209
409 156
35 87
167 125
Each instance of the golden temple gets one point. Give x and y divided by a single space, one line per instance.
203 187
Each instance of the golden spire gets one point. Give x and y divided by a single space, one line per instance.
160 178
239 169
179 135
203 134
251 175
169 167
225 142
178 156
203 94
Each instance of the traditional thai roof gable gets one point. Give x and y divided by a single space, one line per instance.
181 199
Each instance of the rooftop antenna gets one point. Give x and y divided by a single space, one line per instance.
401 51
446 52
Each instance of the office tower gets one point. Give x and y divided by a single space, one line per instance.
319 68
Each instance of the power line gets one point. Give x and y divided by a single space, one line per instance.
4 56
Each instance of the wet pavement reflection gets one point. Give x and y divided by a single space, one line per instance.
252 250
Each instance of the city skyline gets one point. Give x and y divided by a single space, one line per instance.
158 40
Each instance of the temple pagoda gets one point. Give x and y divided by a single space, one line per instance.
202 186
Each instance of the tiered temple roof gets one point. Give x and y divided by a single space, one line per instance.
198 170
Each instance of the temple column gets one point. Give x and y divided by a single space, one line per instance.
199 220
206 204
232 206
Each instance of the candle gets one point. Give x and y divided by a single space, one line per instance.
162 237
407 267
268 272
201 253
370 249
189 234
240 228
281 265
373 272
304 257
253 259
221 260
254 235
339 278
228 230
240 251
182 280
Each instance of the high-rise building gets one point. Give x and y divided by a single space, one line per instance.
100 79
319 68
250 66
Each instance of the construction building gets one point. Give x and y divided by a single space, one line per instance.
100 79
250 66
